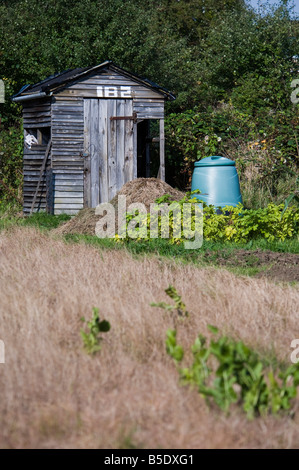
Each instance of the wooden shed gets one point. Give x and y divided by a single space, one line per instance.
86 134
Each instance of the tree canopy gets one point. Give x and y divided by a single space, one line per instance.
199 49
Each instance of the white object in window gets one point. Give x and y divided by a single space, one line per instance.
30 140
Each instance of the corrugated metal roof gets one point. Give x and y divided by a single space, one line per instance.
59 80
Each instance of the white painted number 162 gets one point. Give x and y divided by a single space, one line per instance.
114 91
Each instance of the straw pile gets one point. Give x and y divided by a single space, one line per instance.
144 190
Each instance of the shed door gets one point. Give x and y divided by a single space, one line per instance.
108 148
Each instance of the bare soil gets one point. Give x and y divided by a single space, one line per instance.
276 266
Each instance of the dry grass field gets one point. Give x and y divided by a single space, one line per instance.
54 395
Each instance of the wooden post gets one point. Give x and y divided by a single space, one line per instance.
134 150
147 150
94 152
39 137
50 191
86 181
162 151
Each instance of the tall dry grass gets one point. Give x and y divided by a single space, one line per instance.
54 395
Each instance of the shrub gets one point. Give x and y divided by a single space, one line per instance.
241 225
11 164
266 142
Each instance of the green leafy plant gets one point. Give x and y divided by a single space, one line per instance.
166 198
242 225
173 349
179 307
91 338
227 371
232 224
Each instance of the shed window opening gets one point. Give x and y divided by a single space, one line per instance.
37 136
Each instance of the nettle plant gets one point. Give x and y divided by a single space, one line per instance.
91 338
226 371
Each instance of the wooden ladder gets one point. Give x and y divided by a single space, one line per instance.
41 174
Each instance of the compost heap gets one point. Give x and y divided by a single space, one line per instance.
145 190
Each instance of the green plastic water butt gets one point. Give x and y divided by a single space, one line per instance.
217 179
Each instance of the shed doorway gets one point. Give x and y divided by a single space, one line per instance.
148 148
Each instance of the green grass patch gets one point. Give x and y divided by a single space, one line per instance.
45 221
40 220
162 247
93 240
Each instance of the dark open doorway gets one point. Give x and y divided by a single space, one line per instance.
143 149
148 160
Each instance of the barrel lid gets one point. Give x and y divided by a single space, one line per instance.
215 161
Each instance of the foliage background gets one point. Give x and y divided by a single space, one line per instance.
230 67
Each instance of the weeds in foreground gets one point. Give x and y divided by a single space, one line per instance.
179 305
91 339
227 371
176 310
240 375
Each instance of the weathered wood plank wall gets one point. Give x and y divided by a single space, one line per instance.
67 154
147 103
36 114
